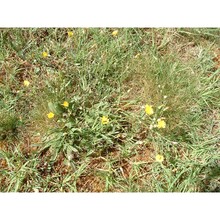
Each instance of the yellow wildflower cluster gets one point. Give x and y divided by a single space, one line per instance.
160 122
70 33
104 120
115 33
149 110
44 54
65 104
26 83
50 115
159 158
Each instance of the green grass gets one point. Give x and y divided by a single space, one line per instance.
174 70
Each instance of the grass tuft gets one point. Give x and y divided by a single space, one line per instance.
109 110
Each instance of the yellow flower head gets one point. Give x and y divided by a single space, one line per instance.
149 110
26 83
50 115
105 120
161 123
115 33
65 104
45 54
159 158
70 33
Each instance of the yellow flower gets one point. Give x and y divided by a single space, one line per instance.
65 104
105 120
26 83
45 54
115 33
149 110
50 115
70 33
159 158
161 123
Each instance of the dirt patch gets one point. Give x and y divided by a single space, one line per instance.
90 184
120 168
216 125
143 159
3 145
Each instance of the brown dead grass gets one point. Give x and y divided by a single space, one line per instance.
216 59
90 183
137 86
124 168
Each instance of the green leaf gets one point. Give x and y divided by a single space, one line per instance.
52 107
